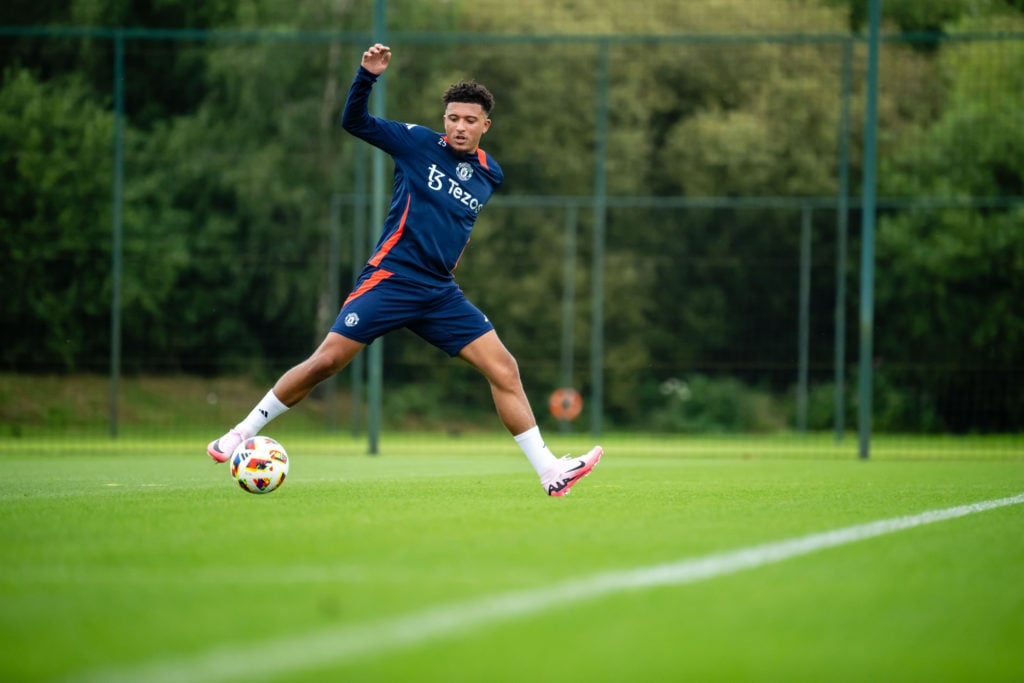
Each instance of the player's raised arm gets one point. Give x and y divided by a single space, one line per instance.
376 59
390 136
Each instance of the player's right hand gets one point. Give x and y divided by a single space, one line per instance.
376 58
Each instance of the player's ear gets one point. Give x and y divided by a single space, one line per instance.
487 124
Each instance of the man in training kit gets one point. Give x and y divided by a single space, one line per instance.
441 184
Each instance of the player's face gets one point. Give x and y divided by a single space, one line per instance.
464 124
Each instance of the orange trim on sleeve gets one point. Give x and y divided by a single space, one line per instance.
393 240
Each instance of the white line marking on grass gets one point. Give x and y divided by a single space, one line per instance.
344 644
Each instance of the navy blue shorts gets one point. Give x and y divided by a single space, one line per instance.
383 301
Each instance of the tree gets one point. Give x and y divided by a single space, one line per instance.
675 107
232 155
950 291
54 222
908 15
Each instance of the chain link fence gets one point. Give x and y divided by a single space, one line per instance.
678 236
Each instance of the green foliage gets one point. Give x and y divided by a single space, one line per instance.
235 183
951 301
55 222
897 406
951 310
78 405
232 155
907 15
685 120
707 405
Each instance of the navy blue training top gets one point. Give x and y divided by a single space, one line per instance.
437 197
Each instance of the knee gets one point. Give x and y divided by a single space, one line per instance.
325 362
319 365
504 373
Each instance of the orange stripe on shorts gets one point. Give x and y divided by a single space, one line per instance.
369 284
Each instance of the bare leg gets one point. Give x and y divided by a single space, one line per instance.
488 355
330 358
333 354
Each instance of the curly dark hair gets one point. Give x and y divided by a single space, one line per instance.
470 91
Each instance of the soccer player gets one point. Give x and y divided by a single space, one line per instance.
442 181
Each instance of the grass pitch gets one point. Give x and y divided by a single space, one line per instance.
142 561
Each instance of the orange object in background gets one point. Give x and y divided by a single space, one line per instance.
565 403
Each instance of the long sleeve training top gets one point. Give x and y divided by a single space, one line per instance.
437 197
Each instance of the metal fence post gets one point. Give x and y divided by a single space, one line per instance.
600 218
804 324
867 267
117 240
842 234
375 379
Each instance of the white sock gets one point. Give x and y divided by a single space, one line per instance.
266 410
539 455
